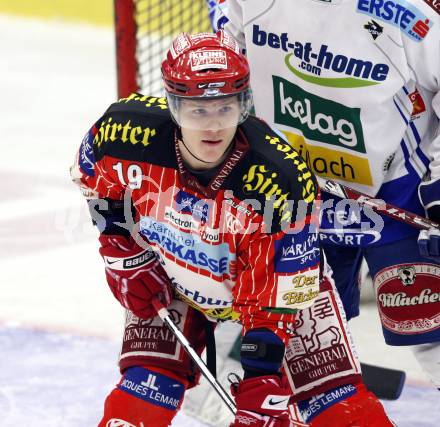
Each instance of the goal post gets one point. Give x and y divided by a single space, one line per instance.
144 30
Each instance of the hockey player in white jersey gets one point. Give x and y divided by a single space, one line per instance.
354 86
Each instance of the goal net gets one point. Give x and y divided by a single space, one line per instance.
144 31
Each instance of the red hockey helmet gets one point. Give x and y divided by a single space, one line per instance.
206 66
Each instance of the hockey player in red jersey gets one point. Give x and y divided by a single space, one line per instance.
200 204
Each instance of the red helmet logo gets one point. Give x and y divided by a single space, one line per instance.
204 61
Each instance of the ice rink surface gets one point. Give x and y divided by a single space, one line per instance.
59 325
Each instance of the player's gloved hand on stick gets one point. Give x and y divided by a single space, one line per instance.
261 402
134 275
429 240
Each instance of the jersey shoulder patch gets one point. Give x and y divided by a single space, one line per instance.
284 161
131 127
409 16
273 175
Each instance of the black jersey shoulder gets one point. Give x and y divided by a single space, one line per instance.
272 169
137 128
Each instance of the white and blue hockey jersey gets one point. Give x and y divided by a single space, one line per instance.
354 86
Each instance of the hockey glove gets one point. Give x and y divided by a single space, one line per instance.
134 275
261 402
345 406
429 240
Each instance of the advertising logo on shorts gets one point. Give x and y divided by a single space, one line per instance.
409 298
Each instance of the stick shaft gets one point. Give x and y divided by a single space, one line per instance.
379 206
166 317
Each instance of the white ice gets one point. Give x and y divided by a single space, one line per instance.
59 325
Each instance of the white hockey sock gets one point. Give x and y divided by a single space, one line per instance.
428 356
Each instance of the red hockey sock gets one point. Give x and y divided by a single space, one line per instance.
144 397
351 406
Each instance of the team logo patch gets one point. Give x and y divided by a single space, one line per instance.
233 224
205 59
418 104
403 15
409 298
407 275
86 157
189 204
374 29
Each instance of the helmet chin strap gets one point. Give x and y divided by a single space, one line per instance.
197 158
204 161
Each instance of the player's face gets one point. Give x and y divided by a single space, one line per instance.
208 127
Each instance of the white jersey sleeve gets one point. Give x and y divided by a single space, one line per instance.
424 64
234 25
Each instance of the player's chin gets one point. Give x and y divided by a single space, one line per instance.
213 153
215 159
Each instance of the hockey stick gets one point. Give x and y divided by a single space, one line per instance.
166 317
379 206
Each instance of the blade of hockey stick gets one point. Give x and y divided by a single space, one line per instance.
166 317
385 383
379 206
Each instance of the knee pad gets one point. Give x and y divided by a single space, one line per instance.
145 396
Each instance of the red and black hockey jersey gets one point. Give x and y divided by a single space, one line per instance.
244 247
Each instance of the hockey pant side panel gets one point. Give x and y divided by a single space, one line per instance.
150 342
321 355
